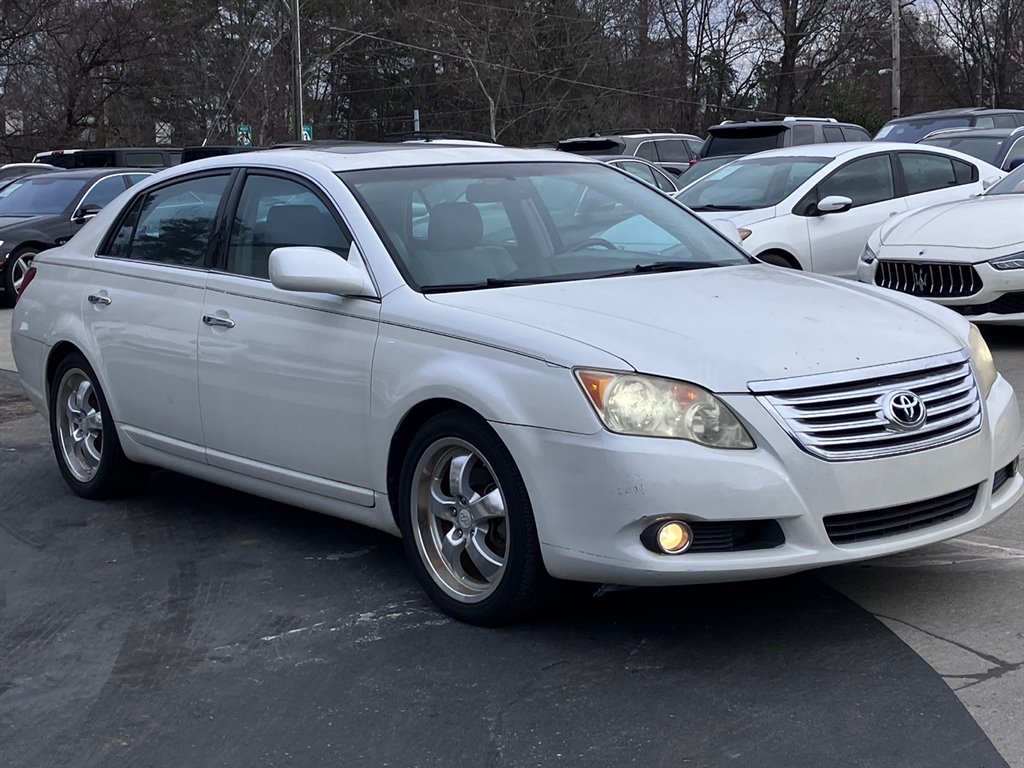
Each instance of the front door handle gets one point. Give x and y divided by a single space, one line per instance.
218 322
96 298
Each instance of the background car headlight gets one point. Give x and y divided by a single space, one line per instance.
869 255
633 404
1013 261
981 357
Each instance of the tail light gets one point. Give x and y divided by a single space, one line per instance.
693 161
29 276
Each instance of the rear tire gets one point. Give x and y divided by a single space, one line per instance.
467 522
84 437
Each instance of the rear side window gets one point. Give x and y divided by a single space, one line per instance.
673 151
104 191
802 134
853 133
865 181
144 159
926 173
833 133
965 173
276 213
170 225
648 151
641 171
1003 121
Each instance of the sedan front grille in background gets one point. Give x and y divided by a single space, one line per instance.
1002 476
735 535
931 280
847 421
878 523
1007 304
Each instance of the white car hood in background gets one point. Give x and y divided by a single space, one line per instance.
980 223
739 218
721 328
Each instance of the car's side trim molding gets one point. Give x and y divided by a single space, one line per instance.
163 443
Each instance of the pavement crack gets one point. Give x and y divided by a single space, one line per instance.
1002 665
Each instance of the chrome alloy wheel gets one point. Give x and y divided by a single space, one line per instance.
79 424
460 521
20 268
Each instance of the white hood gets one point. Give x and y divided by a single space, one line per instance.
986 222
722 328
739 218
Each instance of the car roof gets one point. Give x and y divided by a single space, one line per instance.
358 157
958 112
848 148
984 133
92 173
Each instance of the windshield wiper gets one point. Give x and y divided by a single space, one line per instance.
663 266
723 208
491 282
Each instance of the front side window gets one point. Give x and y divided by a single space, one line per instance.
865 181
927 173
39 194
1016 152
641 171
751 183
833 133
648 151
171 225
1012 184
104 191
274 212
496 224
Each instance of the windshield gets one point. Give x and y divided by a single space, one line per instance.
983 148
912 131
487 225
752 182
1010 185
39 194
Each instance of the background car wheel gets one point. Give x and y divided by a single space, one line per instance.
17 265
467 522
777 259
84 438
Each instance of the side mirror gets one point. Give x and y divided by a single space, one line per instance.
991 181
86 212
1014 164
308 269
834 204
729 229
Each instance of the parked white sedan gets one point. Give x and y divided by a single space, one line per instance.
813 207
551 370
968 256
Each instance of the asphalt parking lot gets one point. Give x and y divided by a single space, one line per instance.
192 625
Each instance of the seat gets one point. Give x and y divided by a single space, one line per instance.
288 225
455 252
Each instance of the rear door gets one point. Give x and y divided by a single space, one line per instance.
143 308
837 239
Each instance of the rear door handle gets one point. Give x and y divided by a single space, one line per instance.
218 322
96 298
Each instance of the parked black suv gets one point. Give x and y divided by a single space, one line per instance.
126 157
914 128
674 152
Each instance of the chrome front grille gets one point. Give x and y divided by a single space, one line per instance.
847 421
930 280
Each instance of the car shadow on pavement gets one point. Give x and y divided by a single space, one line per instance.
195 625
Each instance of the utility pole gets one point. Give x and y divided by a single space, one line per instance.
296 73
895 58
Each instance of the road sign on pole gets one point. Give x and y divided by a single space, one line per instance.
244 138
307 131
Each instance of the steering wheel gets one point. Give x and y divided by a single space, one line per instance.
593 242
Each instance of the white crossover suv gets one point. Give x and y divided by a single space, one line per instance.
813 207
968 256
527 364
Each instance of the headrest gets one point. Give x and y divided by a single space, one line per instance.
301 224
454 227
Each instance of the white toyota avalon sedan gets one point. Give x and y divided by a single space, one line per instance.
968 256
528 365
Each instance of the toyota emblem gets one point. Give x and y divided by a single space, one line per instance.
904 411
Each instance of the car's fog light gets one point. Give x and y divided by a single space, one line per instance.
674 537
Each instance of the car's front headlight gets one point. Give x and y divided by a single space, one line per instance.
869 255
634 404
1013 261
981 358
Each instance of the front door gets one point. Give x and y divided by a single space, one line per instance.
284 377
837 239
143 308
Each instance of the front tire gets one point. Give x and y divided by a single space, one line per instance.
17 266
467 522
84 437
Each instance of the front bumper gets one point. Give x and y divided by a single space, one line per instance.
999 302
594 494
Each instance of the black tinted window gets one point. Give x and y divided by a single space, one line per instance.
865 181
144 159
673 151
171 225
833 133
275 213
104 191
926 173
965 172
743 141
803 134
647 151
1003 121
